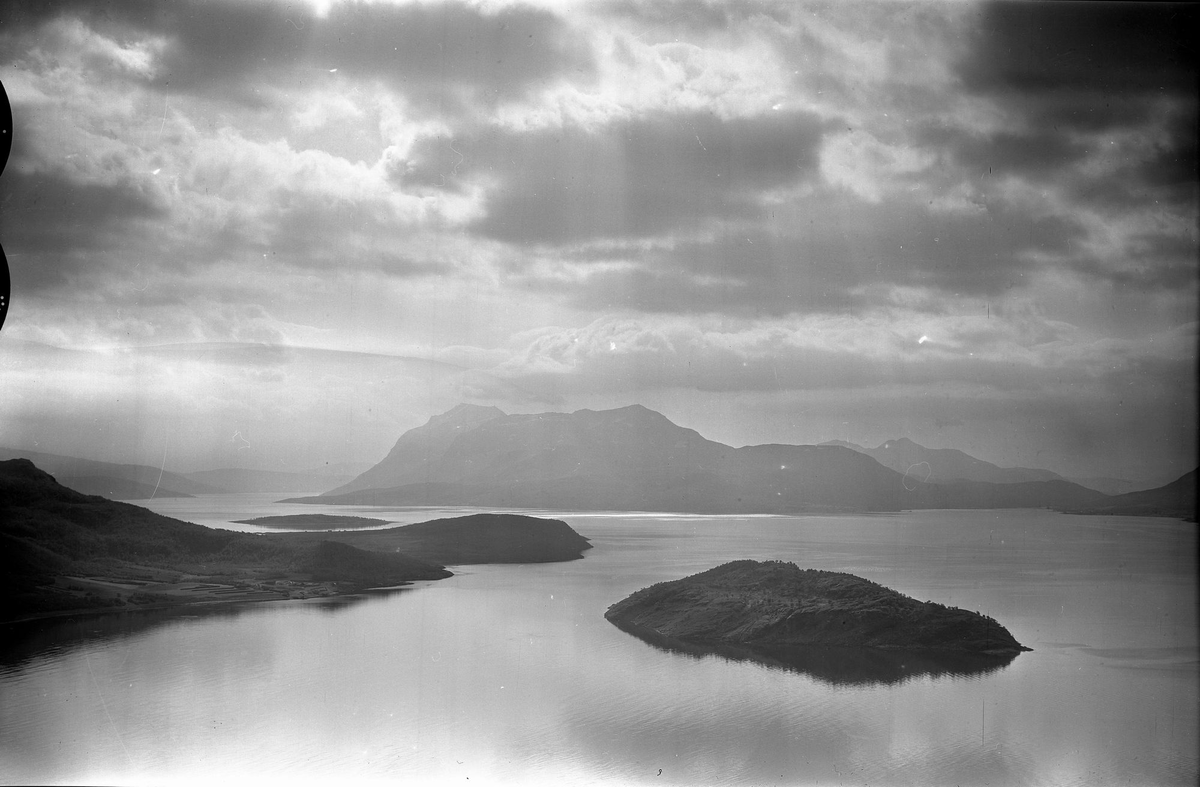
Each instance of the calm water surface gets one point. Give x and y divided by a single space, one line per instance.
511 674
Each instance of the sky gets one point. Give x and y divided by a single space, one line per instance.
279 234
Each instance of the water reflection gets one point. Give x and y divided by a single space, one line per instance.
839 666
26 641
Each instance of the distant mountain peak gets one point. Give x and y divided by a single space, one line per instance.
630 410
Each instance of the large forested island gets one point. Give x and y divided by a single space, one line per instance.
61 550
774 603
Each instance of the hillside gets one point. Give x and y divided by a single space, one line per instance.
635 459
119 488
1176 499
418 450
114 481
977 494
63 550
944 464
1111 486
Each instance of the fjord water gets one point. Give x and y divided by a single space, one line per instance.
511 674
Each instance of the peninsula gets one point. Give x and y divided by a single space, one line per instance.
66 552
774 604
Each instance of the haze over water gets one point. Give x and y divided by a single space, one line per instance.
510 674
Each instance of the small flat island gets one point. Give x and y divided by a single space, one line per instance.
314 521
774 604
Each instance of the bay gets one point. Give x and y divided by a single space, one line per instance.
510 674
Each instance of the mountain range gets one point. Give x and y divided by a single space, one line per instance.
142 482
938 465
633 458
114 481
1176 499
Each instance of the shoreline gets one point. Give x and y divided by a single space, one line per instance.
229 595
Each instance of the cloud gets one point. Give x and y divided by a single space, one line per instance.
190 401
450 54
433 51
862 164
641 177
723 202
1017 387
45 249
1122 49
820 253
1041 154
816 353
696 16
1095 68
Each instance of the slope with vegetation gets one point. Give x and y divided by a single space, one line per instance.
62 550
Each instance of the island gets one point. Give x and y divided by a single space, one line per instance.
776 604
63 552
465 540
314 521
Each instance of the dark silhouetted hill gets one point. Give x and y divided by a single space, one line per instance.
774 603
50 533
1176 499
478 538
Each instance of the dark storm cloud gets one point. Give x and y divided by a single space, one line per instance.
1120 49
835 255
226 48
54 226
311 235
1153 262
1087 68
1175 160
638 177
1038 155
